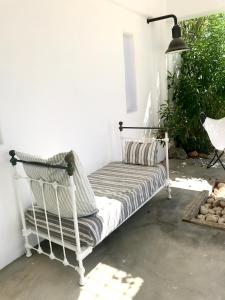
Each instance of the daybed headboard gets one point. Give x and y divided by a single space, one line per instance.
165 140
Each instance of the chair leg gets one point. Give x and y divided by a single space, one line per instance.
215 159
218 159
210 163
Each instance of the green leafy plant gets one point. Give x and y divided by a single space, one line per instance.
199 83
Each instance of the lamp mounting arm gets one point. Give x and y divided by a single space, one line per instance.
149 20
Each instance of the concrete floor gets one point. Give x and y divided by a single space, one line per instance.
153 256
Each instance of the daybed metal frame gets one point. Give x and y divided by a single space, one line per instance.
80 251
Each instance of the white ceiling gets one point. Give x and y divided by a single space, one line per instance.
194 8
183 9
145 7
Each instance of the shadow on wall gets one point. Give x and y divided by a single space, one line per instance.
148 110
1 139
151 117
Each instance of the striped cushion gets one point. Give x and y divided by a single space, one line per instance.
85 199
89 227
119 189
140 153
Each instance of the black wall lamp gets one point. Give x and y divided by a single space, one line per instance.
177 44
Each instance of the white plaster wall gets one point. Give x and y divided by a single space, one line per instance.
62 86
193 8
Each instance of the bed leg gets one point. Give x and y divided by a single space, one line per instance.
169 191
81 272
166 140
168 186
28 252
26 245
82 280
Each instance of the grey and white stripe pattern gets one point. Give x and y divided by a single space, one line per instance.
119 190
89 227
140 153
85 199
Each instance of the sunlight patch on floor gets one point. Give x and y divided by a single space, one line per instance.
108 283
194 184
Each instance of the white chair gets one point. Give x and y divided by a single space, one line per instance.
216 133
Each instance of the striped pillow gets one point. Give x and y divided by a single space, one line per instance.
140 153
85 199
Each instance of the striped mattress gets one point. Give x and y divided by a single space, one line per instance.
119 190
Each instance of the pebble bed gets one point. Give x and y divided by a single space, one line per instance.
214 208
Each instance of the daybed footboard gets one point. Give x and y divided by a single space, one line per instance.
27 230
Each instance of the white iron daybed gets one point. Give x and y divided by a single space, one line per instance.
120 190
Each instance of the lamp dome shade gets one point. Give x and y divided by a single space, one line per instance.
177 45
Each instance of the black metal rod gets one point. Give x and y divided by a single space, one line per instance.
69 159
125 127
149 20
121 127
36 163
202 117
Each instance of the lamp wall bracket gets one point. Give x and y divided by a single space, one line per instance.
149 20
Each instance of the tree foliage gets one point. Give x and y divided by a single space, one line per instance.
199 84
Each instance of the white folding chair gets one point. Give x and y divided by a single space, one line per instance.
216 133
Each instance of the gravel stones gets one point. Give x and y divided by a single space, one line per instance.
204 210
213 210
212 218
221 220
